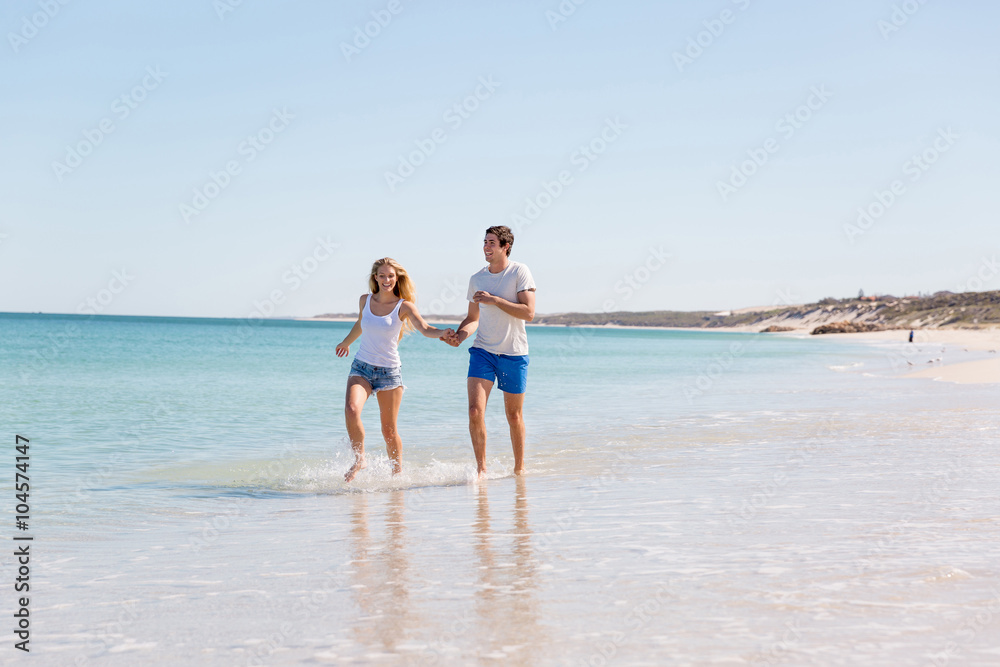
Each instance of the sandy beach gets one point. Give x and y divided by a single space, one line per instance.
951 368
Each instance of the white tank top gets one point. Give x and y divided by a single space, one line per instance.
379 336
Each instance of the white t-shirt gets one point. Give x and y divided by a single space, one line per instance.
499 332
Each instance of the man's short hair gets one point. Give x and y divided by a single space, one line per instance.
504 235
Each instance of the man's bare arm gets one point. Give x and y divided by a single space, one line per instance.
467 327
524 309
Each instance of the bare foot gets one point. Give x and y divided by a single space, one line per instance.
359 464
397 468
481 475
519 472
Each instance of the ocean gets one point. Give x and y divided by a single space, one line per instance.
691 498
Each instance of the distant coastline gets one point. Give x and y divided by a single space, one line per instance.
969 310
955 326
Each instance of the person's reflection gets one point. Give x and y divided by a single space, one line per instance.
524 563
484 549
505 602
395 592
380 575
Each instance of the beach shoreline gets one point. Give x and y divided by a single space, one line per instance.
982 371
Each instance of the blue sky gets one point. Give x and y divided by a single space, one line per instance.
302 215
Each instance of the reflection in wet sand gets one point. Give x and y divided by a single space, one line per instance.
505 604
379 582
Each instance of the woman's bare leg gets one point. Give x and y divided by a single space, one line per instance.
358 391
388 405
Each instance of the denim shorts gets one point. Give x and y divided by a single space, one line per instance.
509 371
379 377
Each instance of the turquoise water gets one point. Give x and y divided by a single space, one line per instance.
689 495
191 400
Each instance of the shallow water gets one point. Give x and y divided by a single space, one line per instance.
691 498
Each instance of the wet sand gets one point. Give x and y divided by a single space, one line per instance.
950 368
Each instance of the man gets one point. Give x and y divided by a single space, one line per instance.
501 299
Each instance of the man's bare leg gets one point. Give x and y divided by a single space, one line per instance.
358 391
479 393
513 405
388 406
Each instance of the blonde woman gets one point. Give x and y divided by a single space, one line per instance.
385 314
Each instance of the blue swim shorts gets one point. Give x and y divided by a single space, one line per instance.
380 378
510 372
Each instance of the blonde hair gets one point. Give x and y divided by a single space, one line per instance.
404 289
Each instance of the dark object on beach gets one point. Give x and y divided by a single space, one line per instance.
774 328
846 327
911 335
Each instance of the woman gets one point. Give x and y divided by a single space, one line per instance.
385 314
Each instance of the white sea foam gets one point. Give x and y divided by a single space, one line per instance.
326 476
846 367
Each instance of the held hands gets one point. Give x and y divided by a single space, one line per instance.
343 350
449 336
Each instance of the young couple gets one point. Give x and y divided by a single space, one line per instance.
501 299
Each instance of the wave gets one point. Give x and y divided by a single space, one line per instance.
326 476
846 367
